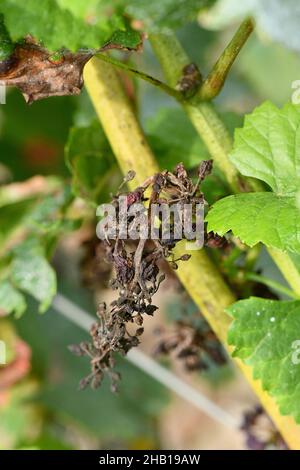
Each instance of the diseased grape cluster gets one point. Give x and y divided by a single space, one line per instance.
137 278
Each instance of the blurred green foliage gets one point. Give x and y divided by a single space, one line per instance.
56 27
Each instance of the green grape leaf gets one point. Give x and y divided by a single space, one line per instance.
57 27
160 15
258 217
80 9
126 40
91 162
267 148
32 273
11 300
266 335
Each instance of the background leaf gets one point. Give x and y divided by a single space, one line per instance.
32 273
174 139
13 215
258 65
11 300
166 14
88 8
278 18
57 27
91 161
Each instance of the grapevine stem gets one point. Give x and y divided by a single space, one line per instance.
214 83
199 275
154 81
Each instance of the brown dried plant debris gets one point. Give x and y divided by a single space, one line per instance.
197 348
137 272
260 432
190 81
40 74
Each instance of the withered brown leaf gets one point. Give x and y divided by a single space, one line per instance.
31 69
35 72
